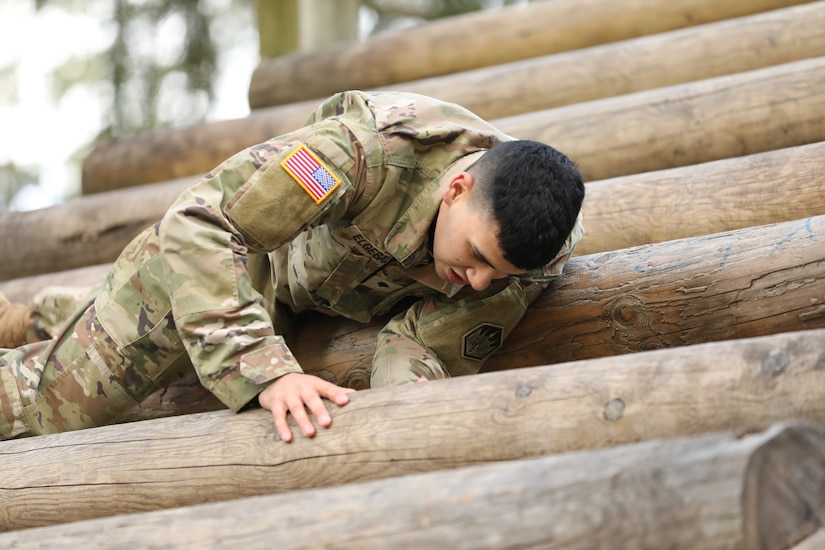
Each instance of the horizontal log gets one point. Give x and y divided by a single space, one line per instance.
83 231
446 424
691 54
710 119
666 205
783 500
675 493
676 293
711 197
477 40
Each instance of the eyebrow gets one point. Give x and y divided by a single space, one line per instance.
481 257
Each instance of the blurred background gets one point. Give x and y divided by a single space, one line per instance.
75 71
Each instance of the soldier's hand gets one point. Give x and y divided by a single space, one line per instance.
295 393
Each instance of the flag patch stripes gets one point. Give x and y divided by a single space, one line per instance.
310 173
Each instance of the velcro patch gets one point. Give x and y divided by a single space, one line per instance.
310 173
483 340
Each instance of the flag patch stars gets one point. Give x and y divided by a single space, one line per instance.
310 173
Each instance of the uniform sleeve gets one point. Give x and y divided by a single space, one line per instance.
255 202
441 337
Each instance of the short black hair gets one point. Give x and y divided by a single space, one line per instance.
534 192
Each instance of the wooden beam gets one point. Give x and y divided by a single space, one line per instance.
676 293
674 493
617 68
763 188
783 497
678 125
482 39
446 424
711 197
712 119
83 231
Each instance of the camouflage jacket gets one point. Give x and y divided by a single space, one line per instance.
333 217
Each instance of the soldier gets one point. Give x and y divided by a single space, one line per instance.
382 196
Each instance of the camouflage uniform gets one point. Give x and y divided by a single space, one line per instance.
334 217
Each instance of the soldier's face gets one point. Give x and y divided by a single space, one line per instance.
465 244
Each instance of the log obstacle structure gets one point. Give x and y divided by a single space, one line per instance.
747 282
381 433
495 92
778 185
722 490
726 116
710 155
480 40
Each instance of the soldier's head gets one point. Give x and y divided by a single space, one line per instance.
510 212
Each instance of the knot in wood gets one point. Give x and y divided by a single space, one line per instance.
776 363
614 410
524 390
627 314
357 379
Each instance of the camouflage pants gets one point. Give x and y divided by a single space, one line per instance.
77 379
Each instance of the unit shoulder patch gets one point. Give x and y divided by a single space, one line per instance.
483 340
310 173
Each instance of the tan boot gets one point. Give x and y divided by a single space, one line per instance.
15 320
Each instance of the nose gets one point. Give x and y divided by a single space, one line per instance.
481 277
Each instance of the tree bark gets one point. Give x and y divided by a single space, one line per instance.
763 188
674 493
478 40
684 124
439 425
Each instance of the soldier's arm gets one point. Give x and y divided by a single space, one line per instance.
251 203
440 337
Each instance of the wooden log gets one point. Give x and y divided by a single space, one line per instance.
82 231
712 119
446 424
711 197
784 500
676 293
670 204
814 542
698 121
675 493
691 54
478 40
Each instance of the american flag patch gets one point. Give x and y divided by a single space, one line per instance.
310 173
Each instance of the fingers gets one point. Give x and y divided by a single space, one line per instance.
301 395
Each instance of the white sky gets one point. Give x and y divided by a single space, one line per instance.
35 131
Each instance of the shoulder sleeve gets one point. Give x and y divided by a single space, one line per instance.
256 201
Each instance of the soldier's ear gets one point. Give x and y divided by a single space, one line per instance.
459 185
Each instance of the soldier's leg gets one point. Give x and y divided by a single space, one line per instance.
78 379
